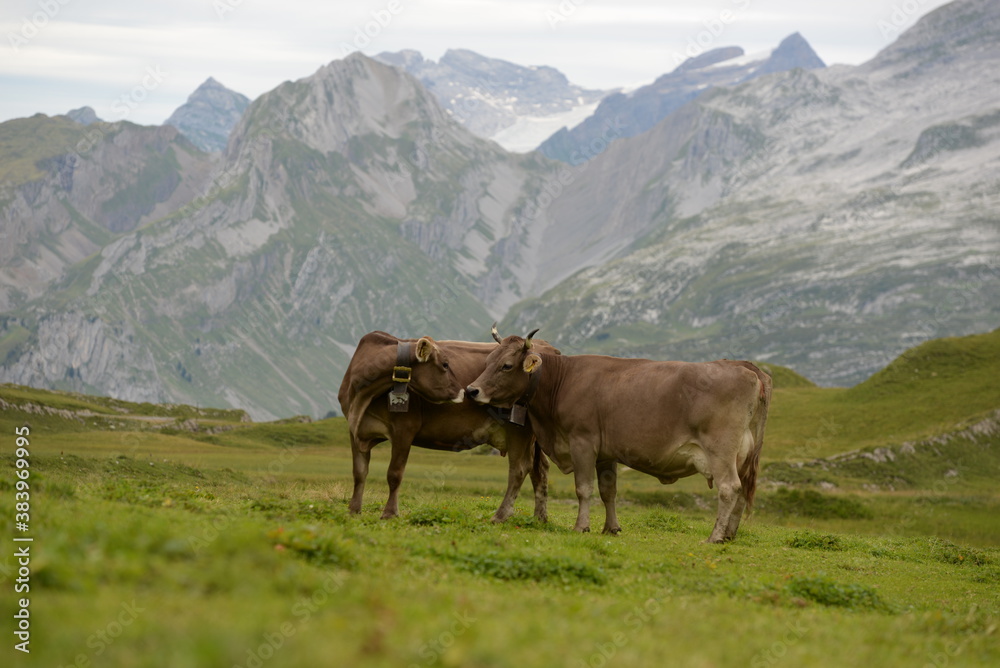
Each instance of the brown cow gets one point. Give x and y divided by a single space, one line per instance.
667 419
365 397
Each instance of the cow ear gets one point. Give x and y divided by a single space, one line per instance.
531 363
424 349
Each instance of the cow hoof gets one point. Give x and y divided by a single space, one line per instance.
614 531
389 516
582 530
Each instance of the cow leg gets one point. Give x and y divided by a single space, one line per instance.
607 483
361 455
540 482
584 465
730 498
736 516
394 476
519 462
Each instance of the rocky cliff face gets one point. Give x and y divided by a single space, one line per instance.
209 115
628 114
73 188
345 202
825 219
829 219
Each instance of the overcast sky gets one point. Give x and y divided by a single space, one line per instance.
141 60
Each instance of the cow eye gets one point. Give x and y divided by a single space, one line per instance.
445 365
507 367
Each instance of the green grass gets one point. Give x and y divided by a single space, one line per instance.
209 566
231 545
73 401
923 393
25 142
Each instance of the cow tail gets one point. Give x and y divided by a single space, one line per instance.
748 476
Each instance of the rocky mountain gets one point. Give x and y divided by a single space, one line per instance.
209 115
83 115
345 202
514 105
826 218
628 114
67 190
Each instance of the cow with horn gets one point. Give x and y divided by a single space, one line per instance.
384 399
667 419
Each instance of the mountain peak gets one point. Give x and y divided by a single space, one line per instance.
209 115
644 107
793 51
211 83
83 115
405 59
344 100
488 95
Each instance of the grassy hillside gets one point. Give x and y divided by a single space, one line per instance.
21 399
925 392
173 535
251 557
24 142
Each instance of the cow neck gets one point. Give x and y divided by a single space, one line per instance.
402 372
543 406
533 382
519 411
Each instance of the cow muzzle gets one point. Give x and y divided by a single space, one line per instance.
474 394
460 398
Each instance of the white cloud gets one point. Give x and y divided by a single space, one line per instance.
94 51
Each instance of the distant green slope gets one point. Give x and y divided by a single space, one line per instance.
939 387
929 390
24 142
75 418
19 395
784 377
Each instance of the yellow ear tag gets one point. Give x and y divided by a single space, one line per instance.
532 362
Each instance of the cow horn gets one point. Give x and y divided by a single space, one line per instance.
495 333
527 339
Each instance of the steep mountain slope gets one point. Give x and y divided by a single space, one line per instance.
629 114
209 115
824 220
490 96
345 202
829 218
67 189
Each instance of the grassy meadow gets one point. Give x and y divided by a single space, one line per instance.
176 536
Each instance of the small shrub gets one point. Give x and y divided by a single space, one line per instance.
525 567
949 553
318 548
434 516
814 541
667 522
52 488
271 507
826 591
320 511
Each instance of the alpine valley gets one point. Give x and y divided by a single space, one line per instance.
824 219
